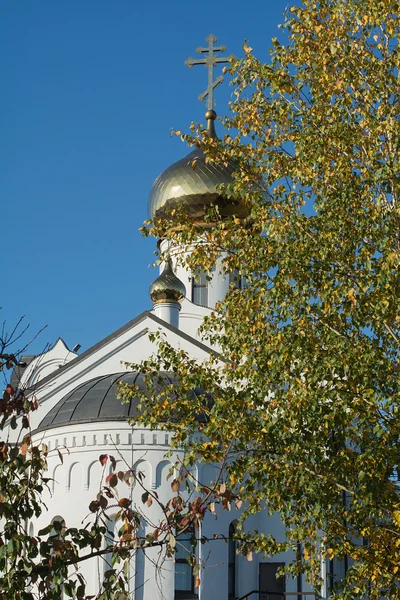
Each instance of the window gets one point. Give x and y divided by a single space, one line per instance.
109 541
56 535
232 562
200 288
184 582
58 524
235 279
274 586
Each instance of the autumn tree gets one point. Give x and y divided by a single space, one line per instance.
305 410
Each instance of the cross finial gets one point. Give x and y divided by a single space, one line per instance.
210 61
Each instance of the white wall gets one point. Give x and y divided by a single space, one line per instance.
77 482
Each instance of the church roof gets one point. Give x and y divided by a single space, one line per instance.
97 400
115 334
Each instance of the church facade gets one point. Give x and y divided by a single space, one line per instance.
80 411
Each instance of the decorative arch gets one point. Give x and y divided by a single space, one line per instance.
120 465
193 474
75 476
90 474
142 468
162 472
58 478
42 369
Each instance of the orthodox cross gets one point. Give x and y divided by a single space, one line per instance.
210 61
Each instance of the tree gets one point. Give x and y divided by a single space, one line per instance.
46 566
305 412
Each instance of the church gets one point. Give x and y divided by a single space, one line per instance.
79 410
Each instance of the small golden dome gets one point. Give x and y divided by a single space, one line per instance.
167 287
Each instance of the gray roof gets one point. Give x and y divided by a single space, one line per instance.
97 400
19 369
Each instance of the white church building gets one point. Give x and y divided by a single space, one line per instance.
79 409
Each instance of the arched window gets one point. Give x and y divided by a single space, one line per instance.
109 541
56 534
58 524
184 580
232 546
200 288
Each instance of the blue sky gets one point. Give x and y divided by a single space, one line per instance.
89 93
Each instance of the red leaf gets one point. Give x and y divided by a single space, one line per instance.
124 502
103 459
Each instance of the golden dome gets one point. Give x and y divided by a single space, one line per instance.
192 184
167 287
